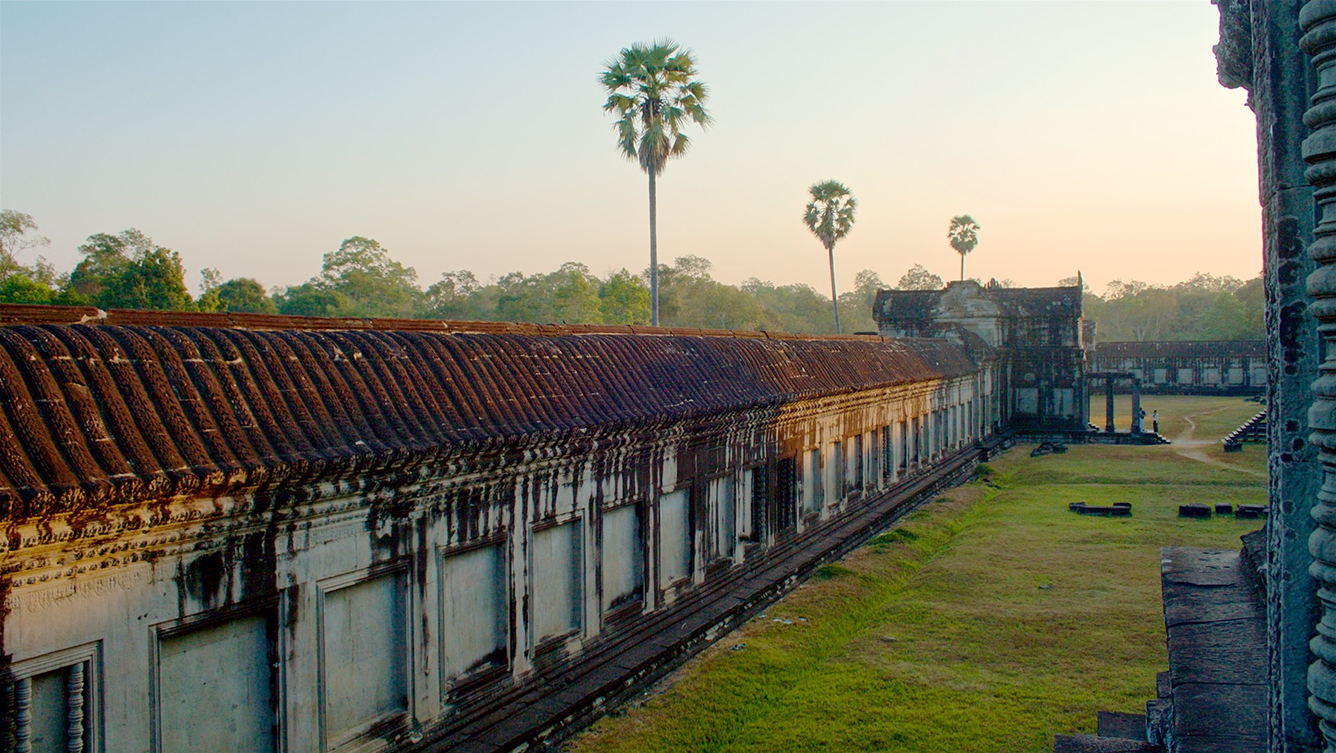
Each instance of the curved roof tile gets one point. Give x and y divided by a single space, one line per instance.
102 413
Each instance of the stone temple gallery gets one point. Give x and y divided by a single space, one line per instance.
268 533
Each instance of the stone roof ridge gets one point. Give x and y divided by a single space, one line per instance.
14 313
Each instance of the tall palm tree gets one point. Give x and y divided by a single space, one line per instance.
963 233
830 216
653 91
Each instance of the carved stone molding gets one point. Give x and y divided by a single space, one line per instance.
1317 21
1233 55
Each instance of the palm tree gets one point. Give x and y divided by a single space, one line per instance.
653 91
830 216
963 233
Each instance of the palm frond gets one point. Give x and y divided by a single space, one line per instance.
963 234
831 213
651 88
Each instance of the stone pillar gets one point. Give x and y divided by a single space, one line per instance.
1317 19
1259 50
1108 405
1136 405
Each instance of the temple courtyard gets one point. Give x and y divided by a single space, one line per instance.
990 620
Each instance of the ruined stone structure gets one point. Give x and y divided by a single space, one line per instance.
247 532
1035 336
1227 367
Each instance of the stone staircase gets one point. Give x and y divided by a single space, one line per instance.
1252 430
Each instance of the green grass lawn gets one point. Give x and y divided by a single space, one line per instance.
990 620
1214 416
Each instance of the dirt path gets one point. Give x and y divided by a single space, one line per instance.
1187 446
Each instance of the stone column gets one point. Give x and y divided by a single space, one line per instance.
1108 405
1136 405
1317 19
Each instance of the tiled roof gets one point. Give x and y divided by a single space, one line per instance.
1183 349
906 304
133 406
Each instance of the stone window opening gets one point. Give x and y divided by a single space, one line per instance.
52 703
854 468
916 439
786 494
888 458
622 561
836 469
755 491
813 487
722 500
872 460
217 680
475 610
557 583
675 538
365 667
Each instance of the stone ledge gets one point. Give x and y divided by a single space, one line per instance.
1215 625
1094 744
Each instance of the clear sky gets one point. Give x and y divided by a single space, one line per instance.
254 137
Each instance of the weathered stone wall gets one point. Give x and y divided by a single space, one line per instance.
1226 367
464 528
1259 50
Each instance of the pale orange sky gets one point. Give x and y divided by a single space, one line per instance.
254 137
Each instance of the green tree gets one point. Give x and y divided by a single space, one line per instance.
523 299
963 235
209 281
452 296
693 299
919 278
357 279
17 234
128 270
796 308
1205 307
569 295
18 287
153 280
105 258
369 281
244 295
653 91
1253 296
624 299
856 306
310 299
574 293
830 217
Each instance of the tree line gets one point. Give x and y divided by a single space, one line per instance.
1205 307
360 278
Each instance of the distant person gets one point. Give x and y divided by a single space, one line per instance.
1155 421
